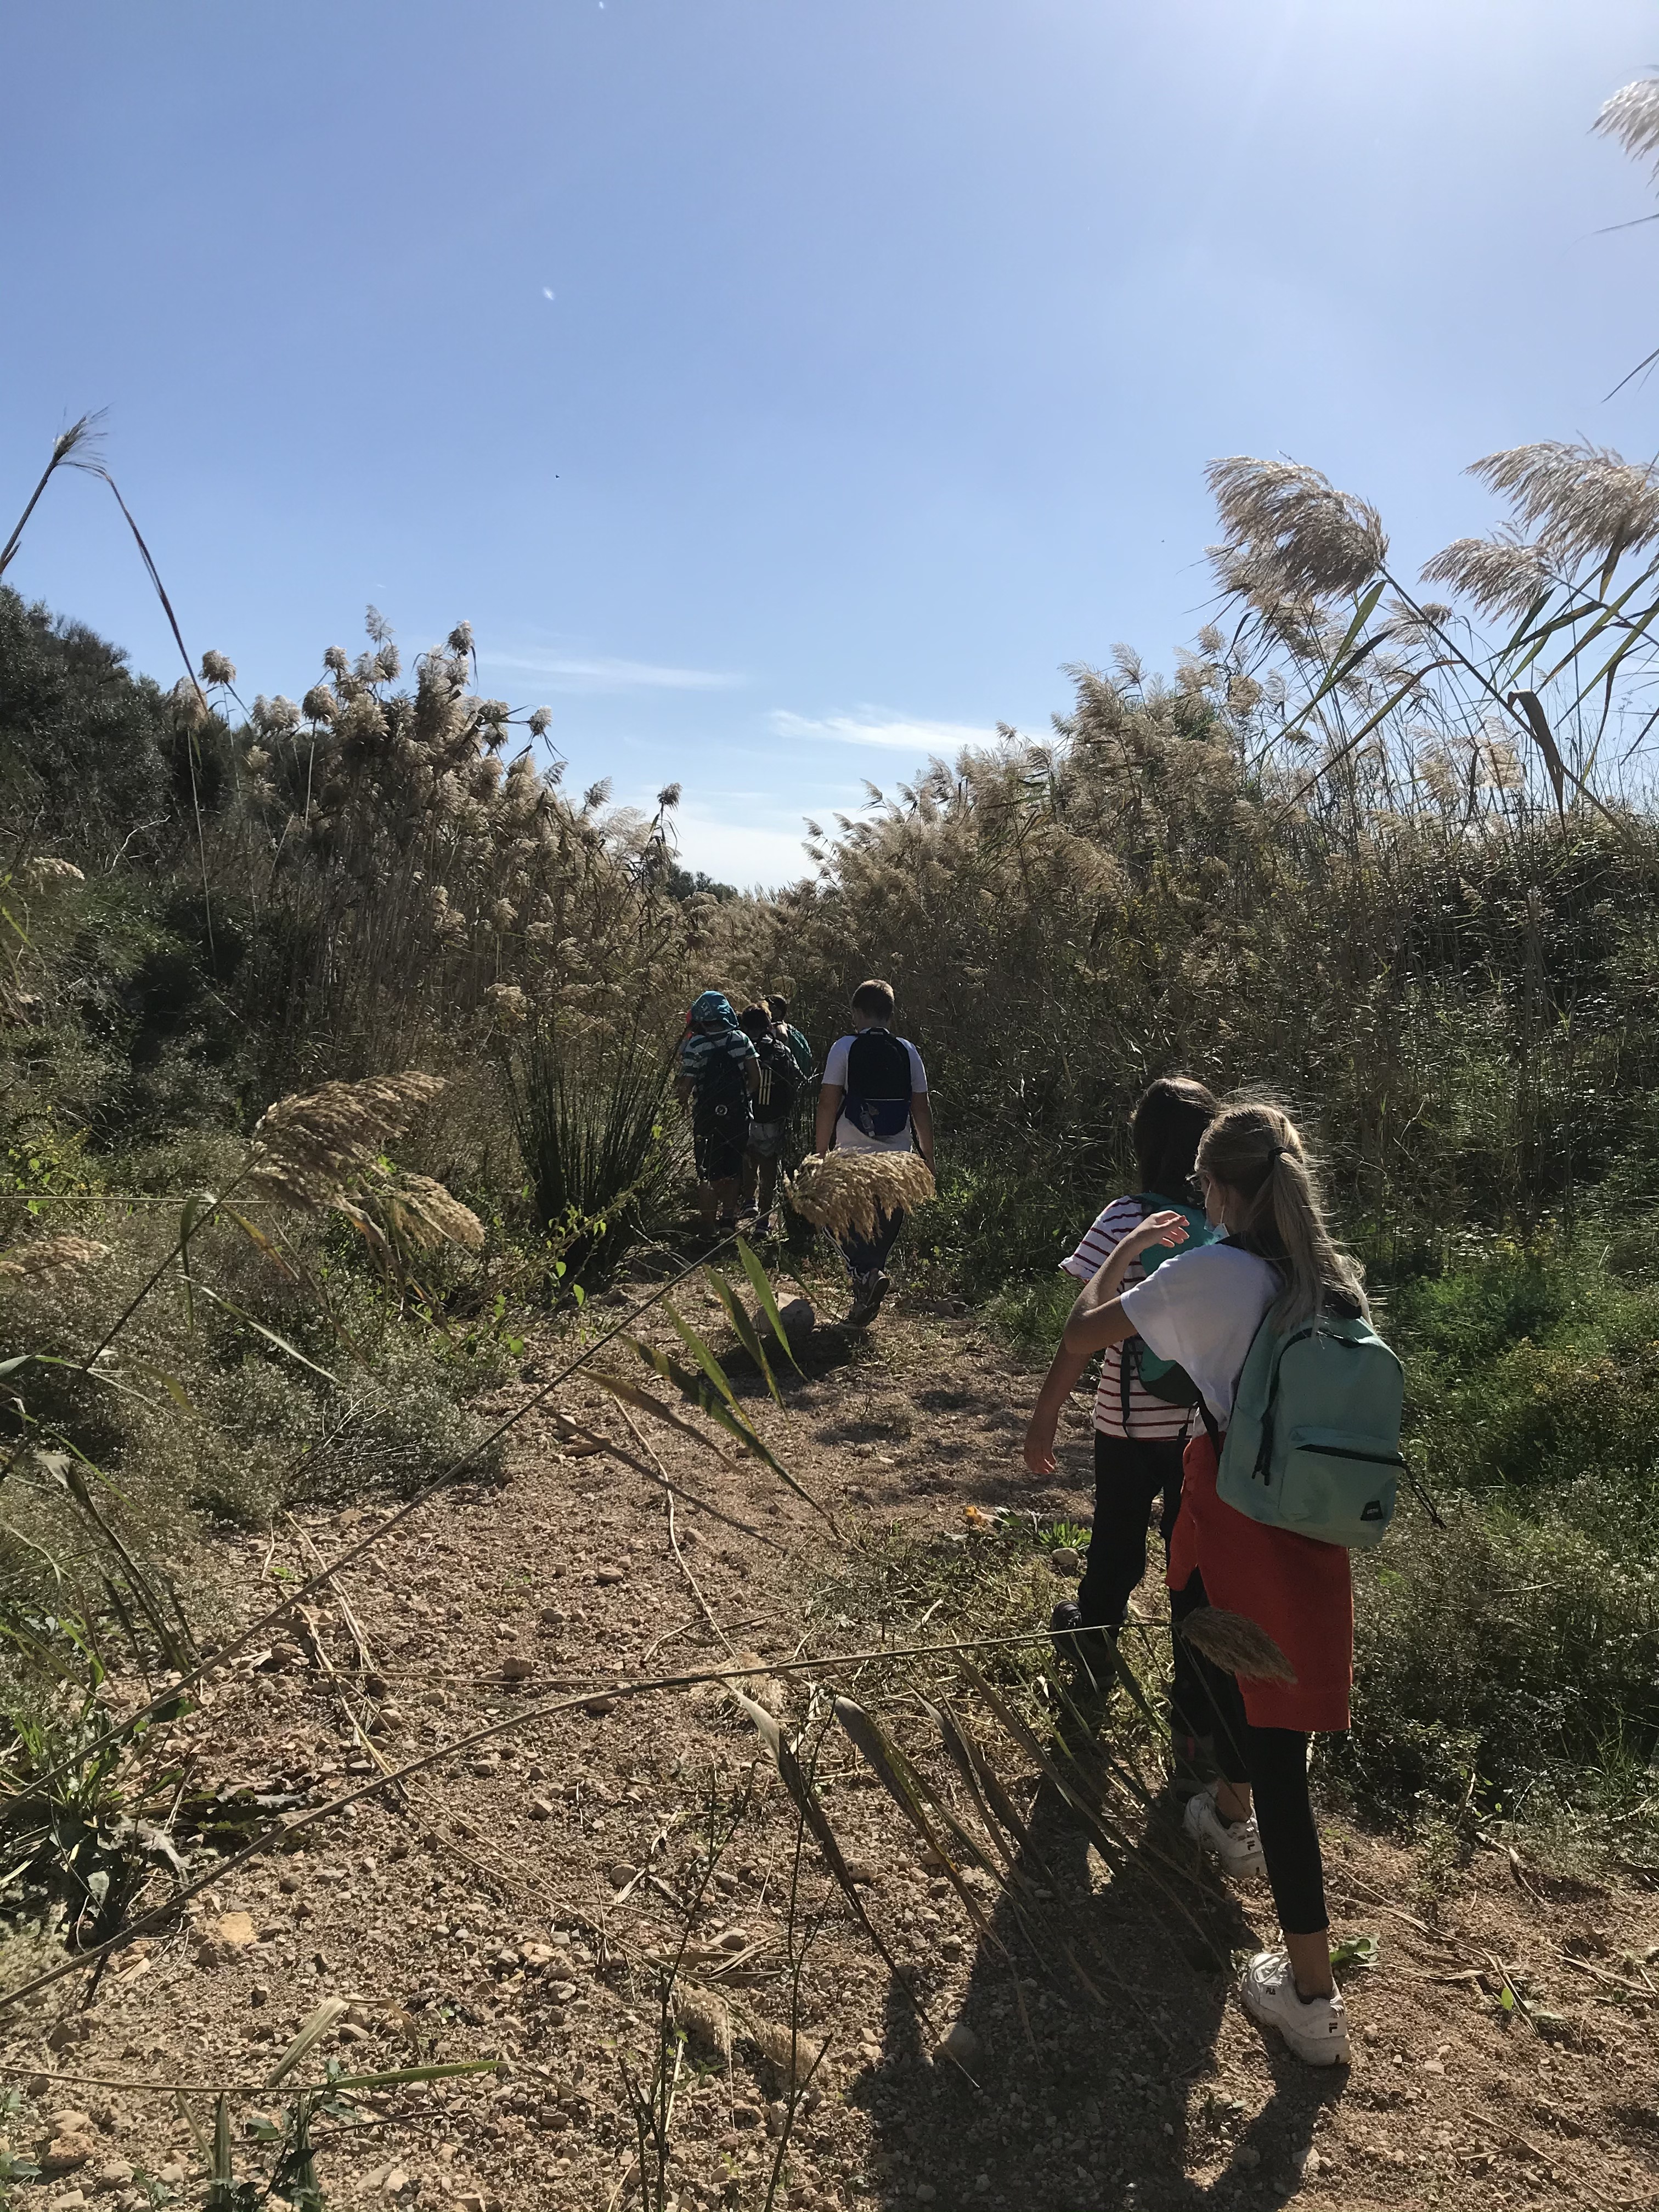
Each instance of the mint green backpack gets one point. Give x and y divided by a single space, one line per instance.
1314 1442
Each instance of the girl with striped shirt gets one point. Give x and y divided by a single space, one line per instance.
1138 1437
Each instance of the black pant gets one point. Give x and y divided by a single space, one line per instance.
1275 1762
1130 1473
867 1256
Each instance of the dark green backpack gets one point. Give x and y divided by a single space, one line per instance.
1161 1378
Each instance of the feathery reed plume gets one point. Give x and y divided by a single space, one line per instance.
309 1149
846 1192
541 721
1631 118
217 668
45 872
433 1215
319 704
1295 527
1504 575
507 1005
53 1262
1237 1645
189 709
792 2057
705 2018
1587 499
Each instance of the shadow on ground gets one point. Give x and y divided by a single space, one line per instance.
1096 2102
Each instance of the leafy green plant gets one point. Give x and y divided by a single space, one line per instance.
81 1840
591 1110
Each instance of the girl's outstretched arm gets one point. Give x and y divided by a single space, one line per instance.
1098 1318
1063 1377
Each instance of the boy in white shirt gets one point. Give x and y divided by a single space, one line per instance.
873 1099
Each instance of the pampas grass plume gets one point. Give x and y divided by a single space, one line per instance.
45 872
1237 1645
792 2056
706 2018
53 1262
309 1149
846 1192
433 1208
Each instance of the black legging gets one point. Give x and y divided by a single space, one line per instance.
1273 1761
1130 1475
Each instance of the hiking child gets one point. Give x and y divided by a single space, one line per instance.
1202 1308
776 1096
719 1075
1141 1419
778 1006
873 1099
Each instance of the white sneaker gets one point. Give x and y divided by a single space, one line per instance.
1235 1844
1316 2028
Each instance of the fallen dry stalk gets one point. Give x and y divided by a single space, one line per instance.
354 1551
545 1709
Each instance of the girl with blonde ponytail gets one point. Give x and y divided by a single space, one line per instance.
1201 1309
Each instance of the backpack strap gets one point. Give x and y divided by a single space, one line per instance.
1212 1428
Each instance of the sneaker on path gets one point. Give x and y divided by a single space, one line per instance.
868 1291
1235 1844
1315 2028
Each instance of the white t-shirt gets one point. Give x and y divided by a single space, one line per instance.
849 1138
1201 1309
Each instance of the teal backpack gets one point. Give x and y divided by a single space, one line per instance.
1161 1378
1314 1442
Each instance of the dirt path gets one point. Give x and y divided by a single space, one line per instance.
514 1904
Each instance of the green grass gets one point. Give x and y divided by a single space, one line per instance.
1028 1317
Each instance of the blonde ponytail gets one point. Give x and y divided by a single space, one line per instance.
1256 1149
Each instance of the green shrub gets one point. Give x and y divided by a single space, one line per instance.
1500 1653
592 1113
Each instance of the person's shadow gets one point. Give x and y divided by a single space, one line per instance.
1082 2102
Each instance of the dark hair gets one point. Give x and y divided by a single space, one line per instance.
755 1022
779 1005
875 998
1171 1116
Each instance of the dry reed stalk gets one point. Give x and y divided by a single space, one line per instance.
847 1193
1237 1645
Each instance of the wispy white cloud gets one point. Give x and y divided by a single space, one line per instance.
746 853
599 673
871 726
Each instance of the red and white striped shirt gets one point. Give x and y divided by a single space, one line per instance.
1151 1419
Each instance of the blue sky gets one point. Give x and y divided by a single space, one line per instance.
784 391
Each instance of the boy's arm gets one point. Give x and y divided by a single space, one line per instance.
923 1114
829 1098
